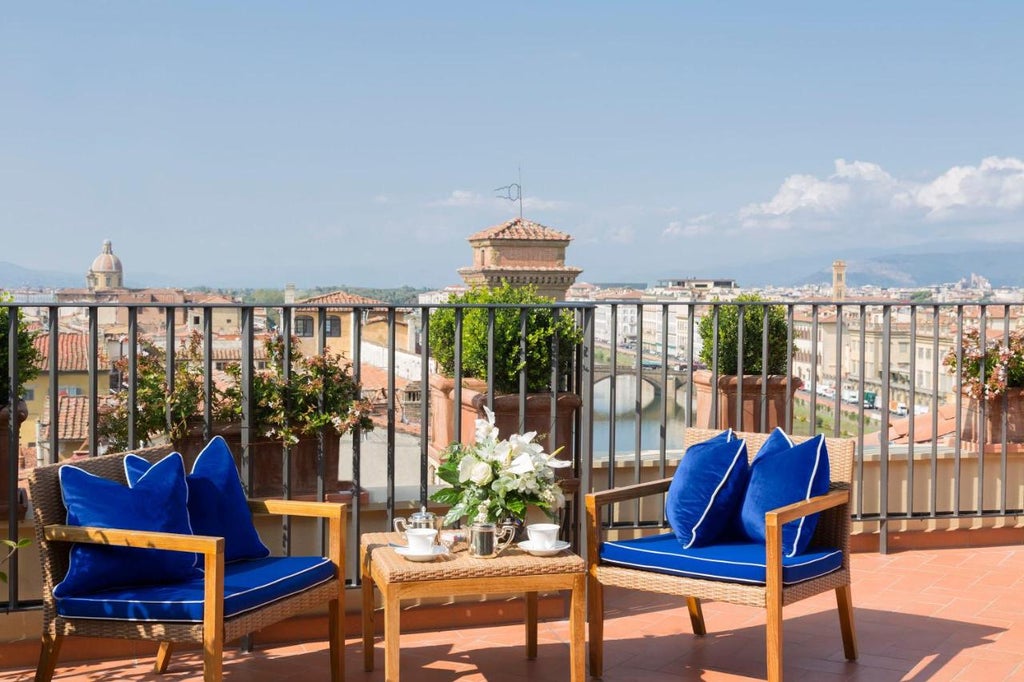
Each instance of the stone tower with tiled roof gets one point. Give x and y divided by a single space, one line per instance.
521 252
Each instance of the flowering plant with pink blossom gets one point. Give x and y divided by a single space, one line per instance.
988 371
496 480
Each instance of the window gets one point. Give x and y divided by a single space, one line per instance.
333 326
196 320
303 325
28 394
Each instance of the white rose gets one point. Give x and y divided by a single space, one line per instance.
481 473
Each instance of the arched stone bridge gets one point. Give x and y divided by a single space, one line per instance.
677 378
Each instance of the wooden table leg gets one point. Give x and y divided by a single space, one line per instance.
531 625
577 639
392 633
368 625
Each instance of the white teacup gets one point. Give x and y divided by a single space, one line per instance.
421 540
543 535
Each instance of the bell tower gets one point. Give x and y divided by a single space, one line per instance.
838 280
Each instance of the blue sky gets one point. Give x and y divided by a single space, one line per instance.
256 143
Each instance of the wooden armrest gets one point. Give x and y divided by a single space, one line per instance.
594 501
335 513
177 542
783 515
325 510
629 492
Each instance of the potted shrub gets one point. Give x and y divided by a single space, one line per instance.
542 330
11 403
992 380
321 397
779 387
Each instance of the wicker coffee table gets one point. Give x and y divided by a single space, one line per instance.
459 574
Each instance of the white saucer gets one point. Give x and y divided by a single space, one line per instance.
528 546
438 550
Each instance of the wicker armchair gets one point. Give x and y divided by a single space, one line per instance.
833 530
55 541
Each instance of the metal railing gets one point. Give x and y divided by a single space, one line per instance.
635 371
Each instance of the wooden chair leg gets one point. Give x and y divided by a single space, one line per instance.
163 657
845 602
773 638
48 657
337 641
213 661
696 616
595 616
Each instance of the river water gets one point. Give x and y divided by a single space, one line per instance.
625 421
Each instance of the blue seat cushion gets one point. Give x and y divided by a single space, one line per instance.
157 502
247 585
781 474
739 562
707 489
216 500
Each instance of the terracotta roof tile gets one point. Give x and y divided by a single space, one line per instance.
72 418
899 429
72 352
339 298
520 228
523 268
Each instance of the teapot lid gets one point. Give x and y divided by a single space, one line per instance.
423 513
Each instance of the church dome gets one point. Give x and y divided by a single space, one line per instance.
106 261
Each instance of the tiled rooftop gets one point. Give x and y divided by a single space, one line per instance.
937 615
520 228
338 298
72 352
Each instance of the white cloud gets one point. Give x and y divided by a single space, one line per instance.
461 198
698 225
996 183
861 198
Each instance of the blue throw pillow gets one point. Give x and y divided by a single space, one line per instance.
216 500
707 489
156 503
781 474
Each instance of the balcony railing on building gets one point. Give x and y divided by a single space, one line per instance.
874 371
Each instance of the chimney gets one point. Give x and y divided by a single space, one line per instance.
289 293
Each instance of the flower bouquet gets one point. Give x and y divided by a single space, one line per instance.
496 480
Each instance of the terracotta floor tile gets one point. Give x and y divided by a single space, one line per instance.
944 615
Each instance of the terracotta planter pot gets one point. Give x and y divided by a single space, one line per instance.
780 390
266 461
20 415
971 407
506 414
442 411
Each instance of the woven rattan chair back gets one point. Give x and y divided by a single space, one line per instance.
211 633
832 531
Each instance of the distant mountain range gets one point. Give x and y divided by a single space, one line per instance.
1002 265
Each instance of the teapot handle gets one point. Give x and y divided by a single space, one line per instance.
400 525
504 538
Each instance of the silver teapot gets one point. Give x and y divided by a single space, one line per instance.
421 519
